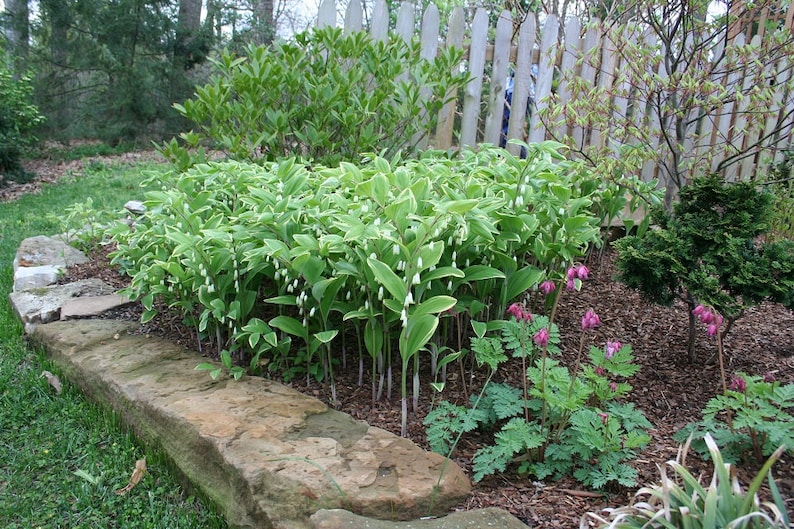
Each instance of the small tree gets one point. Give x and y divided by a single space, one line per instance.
18 116
679 92
711 251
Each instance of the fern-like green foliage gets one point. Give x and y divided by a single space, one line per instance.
749 423
499 401
569 424
447 421
517 336
515 437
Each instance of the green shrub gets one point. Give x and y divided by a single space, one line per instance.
681 500
711 252
18 117
327 97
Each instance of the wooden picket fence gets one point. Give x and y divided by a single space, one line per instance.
586 53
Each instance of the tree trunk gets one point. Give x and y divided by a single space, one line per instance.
188 28
16 29
188 50
692 334
263 28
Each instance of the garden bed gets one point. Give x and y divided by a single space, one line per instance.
668 389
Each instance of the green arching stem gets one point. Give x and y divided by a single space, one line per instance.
545 354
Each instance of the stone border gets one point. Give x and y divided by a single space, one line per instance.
267 455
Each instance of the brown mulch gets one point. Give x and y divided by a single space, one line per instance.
669 389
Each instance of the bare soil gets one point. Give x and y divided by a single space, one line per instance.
669 389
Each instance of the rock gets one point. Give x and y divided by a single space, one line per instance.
136 207
86 307
42 251
490 518
29 277
43 305
266 454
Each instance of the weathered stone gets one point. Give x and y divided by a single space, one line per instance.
43 305
268 455
136 207
87 307
490 518
42 250
29 277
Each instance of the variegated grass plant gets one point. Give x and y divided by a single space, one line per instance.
680 500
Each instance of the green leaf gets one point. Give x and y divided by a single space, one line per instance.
282 300
434 305
373 338
388 279
482 273
458 206
416 334
520 281
290 326
326 336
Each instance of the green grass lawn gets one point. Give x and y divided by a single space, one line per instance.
62 457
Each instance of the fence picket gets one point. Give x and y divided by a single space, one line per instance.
516 127
722 129
546 62
499 72
446 118
354 17
573 29
327 14
473 92
431 22
379 27
590 56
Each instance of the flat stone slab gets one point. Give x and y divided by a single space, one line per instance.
29 277
490 518
43 305
42 251
87 307
267 455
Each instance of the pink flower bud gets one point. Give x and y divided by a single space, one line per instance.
612 348
582 272
541 337
698 310
712 330
600 371
570 285
590 320
738 384
769 378
571 273
613 386
604 417
547 287
515 310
